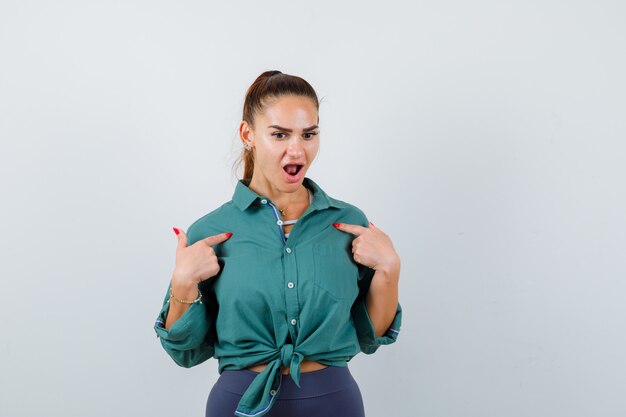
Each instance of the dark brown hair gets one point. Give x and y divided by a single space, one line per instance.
269 85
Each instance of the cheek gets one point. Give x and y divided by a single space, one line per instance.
312 151
274 161
269 156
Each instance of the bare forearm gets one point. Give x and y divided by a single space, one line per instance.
382 298
184 291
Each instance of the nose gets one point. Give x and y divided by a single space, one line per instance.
295 149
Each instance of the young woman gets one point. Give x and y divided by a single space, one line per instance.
283 284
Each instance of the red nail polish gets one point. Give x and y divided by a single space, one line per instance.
229 234
176 230
336 225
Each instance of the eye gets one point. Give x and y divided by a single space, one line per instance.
278 133
311 134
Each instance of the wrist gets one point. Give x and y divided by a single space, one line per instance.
389 269
198 298
184 288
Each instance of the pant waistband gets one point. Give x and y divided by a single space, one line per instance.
312 384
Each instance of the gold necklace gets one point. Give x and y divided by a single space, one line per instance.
282 211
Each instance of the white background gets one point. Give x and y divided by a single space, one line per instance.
486 138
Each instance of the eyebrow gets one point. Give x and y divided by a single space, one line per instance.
290 130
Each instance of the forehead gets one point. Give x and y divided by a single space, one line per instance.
298 110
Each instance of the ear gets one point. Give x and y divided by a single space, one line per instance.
246 133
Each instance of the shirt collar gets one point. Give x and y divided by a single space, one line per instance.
243 196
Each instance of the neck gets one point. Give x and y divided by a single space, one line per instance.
282 198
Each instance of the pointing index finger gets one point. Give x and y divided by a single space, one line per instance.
355 229
215 239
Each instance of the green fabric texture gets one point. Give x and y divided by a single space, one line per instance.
307 286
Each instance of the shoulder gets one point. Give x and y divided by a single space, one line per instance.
349 213
209 224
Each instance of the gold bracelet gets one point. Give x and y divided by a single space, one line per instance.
197 300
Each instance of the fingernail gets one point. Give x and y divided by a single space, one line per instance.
176 230
372 223
336 225
229 234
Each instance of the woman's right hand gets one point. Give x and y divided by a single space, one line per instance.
194 264
197 262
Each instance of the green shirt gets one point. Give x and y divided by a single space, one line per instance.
271 291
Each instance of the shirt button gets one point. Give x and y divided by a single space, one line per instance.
293 321
279 222
288 250
264 201
273 392
290 284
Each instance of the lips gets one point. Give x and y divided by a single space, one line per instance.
293 172
292 169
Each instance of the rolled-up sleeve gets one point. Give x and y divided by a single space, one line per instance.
189 341
368 341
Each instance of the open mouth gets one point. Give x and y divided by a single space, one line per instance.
292 169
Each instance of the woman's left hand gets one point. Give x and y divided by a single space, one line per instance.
372 247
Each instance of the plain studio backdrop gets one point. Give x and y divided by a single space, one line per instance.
485 138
